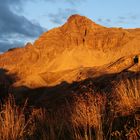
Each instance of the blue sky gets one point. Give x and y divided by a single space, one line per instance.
124 13
24 20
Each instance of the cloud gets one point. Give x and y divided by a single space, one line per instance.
11 24
100 20
61 15
134 17
119 21
13 41
104 21
72 2
4 46
127 19
108 20
121 18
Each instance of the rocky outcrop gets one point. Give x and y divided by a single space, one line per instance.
75 51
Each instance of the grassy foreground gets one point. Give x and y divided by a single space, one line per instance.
122 122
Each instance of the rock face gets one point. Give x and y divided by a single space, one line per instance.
77 50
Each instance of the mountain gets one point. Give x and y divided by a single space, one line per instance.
75 51
84 75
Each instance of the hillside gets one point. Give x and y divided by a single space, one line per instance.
75 51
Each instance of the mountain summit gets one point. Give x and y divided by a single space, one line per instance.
77 50
80 21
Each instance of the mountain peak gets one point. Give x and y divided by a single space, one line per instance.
74 17
82 20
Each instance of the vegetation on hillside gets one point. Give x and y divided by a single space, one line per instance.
121 122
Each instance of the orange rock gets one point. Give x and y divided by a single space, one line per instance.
77 50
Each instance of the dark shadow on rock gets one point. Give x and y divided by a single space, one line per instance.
6 82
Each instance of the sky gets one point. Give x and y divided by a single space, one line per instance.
23 21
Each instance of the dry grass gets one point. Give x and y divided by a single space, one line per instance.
13 123
17 125
128 96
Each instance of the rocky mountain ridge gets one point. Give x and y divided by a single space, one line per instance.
77 50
